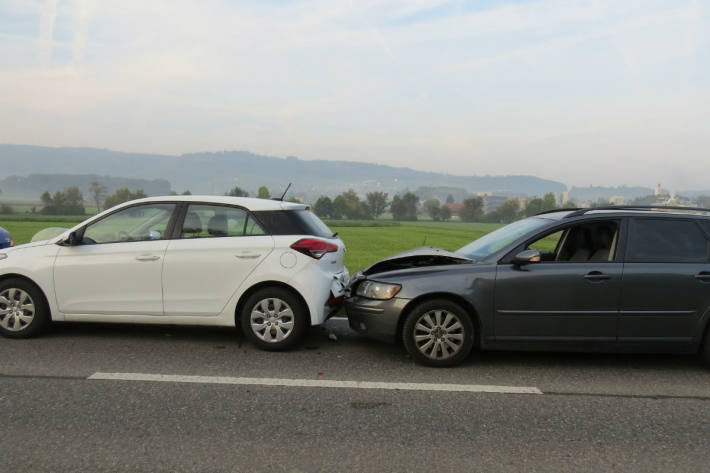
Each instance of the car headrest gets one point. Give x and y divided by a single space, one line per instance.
217 226
192 224
605 235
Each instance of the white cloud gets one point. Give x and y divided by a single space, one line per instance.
46 31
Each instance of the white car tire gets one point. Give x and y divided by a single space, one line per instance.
23 309
274 318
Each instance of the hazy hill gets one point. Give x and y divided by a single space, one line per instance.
217 172
594 193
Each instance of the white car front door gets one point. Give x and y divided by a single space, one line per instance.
117 267
219 246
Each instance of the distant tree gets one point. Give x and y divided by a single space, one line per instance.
492 217
173 193
472 209
70 201
570 204
397 208
405 207
433 208
354 207
6 209
123 195
98 192
339 207
263 193
187 192
703 201
537 205
237 192
508 210
549 202
445 213
46 198
376 203
450 199
411 201
324 207
601 203
534 207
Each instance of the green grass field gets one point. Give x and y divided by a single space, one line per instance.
366 244
366 241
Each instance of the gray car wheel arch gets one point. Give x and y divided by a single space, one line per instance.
466 305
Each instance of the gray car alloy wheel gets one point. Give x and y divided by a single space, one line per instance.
17 309
438 334
272 320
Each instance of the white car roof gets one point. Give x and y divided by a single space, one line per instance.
248 203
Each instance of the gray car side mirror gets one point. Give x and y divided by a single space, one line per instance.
527 256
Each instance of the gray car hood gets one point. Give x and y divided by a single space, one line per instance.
418 257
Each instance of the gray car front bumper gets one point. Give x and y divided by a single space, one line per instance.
373 318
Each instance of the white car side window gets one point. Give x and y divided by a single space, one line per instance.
210 221
138 223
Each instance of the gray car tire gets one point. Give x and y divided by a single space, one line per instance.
705 347
438 333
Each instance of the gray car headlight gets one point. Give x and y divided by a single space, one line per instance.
377 290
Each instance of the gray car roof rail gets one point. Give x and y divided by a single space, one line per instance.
641 208
570 209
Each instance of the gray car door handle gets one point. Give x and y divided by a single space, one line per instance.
248 255
148 257
703 276
596 276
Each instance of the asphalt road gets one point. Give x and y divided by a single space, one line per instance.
595 413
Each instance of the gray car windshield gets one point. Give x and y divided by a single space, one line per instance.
498 239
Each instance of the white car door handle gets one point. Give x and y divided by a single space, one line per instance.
248 255
148 257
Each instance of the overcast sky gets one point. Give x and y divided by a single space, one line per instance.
585 92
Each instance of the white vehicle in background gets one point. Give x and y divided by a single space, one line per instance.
273 268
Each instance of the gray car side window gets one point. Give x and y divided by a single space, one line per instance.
706 226
655 240
594 241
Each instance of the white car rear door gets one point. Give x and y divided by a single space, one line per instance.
219 246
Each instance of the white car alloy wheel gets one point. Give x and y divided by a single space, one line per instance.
17 309
272 320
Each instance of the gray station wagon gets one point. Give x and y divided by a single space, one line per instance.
614 279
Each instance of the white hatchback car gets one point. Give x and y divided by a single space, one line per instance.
272 267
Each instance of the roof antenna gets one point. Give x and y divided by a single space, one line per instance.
284 194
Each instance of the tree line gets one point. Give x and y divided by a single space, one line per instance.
70 201
349 205
406 207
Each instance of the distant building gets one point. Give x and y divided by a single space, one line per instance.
454 207
617 200
492 202
564 198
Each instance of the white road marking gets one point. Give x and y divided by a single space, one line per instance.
316 383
